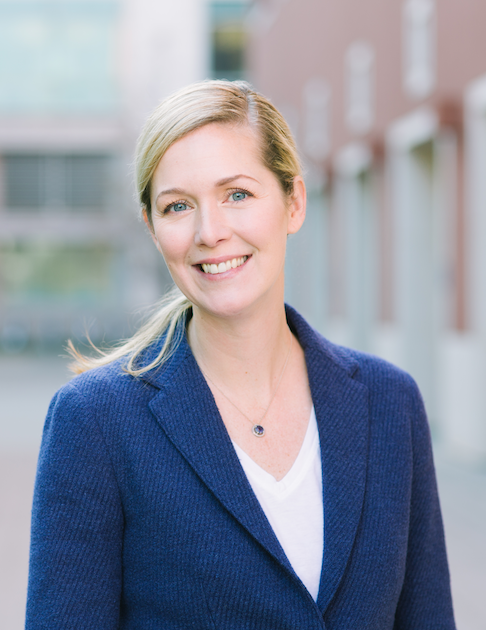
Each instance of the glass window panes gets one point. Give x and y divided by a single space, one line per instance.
23 181
86 178
228 40
228 51
58 56
56 182
46 272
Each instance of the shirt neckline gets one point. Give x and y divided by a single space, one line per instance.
303 461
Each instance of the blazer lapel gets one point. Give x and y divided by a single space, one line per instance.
187 412
341 406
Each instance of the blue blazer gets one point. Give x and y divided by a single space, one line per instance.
144 519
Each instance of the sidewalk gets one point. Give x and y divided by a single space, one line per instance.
463 499
26 386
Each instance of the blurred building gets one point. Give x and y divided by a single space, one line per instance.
388 104
77 79
228 39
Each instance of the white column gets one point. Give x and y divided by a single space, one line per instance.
466 391
306 266
353 167
475 127
412 157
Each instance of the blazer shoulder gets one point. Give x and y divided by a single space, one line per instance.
373 371
101 391
109 390
110 377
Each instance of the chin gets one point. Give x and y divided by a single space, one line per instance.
227 306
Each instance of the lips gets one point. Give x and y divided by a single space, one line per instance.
224 266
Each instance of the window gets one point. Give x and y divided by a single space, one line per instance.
228 40
33 272
419 47
23 181
359 64
54 182
59 57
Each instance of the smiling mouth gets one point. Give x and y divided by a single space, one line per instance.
223 266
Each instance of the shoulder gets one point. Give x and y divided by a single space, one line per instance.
390 388
109 379
379 376
100 392
373 371
392 391
109 391
393 394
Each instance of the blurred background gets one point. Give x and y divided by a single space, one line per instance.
387 100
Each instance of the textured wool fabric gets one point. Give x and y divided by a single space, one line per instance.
144 519
293 506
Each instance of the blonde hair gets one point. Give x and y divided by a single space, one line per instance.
199 104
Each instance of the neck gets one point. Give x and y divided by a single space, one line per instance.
243 350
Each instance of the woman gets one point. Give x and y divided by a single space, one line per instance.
227 467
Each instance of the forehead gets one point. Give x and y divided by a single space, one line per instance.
214 146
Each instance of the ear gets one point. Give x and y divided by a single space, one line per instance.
297 206
150 228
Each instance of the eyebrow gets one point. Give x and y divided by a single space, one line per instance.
170 191
221 182
228 180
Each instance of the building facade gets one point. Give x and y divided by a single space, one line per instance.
77 80
387 101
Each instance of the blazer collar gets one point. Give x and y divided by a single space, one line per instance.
187 412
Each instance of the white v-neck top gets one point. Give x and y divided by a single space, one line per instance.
293 506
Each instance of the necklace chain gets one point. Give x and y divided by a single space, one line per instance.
257 428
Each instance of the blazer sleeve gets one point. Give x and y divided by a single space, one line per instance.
77 524
425 602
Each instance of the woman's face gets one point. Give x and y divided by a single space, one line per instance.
221 219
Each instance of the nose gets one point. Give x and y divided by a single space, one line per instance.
211 225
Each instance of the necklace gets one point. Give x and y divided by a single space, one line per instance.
257 429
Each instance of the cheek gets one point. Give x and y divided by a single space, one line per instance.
268 219
173 241
273 225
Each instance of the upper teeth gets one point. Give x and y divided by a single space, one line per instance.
224 266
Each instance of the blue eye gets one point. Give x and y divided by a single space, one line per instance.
178 207
239 195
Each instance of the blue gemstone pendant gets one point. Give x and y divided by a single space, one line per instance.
258 430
